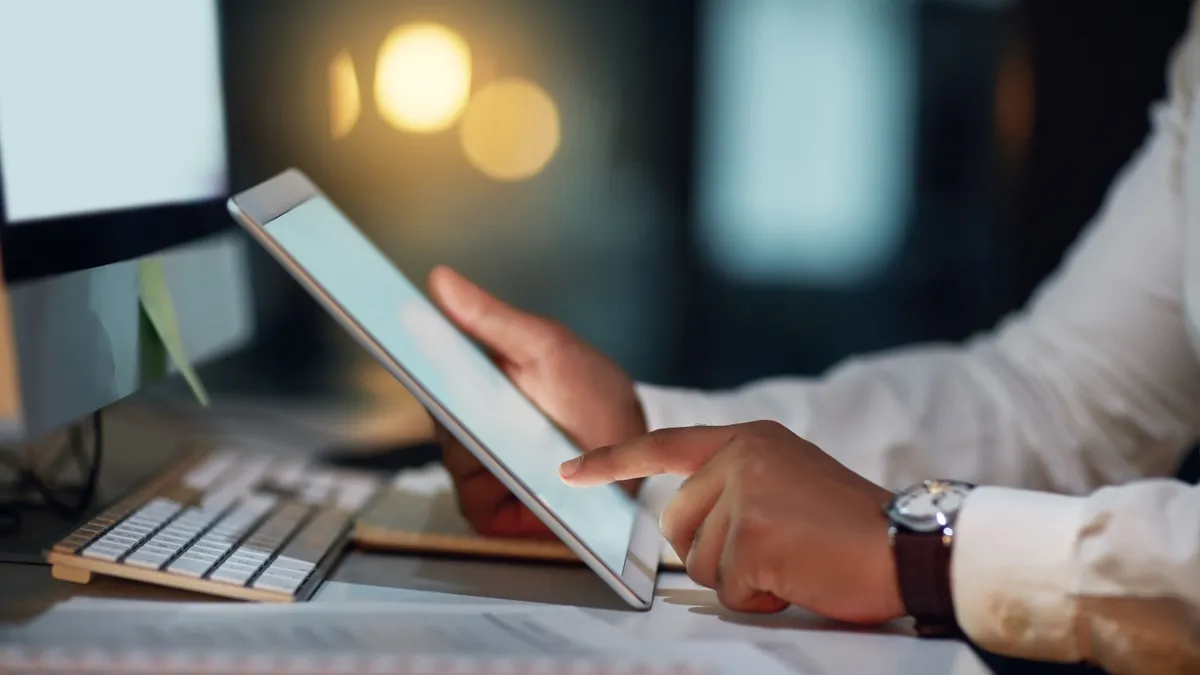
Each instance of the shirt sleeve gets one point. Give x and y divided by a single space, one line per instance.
1094 384
1112 578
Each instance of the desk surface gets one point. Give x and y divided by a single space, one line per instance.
681 609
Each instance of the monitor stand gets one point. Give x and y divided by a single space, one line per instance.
355 416
29 528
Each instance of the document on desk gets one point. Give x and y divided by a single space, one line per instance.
105 637
418 512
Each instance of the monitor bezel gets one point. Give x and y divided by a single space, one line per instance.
37 248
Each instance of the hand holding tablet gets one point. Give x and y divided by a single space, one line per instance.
584 392
460 386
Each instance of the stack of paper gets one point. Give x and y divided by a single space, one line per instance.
126 637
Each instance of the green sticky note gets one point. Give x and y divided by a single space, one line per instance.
153 355
163 330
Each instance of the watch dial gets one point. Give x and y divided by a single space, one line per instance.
925 502
918 505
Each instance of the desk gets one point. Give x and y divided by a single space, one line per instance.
681 609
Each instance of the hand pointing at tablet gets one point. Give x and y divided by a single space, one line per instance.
582 391
765 518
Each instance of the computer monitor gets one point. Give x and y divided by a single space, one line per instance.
112 148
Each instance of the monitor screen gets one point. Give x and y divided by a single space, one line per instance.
106 106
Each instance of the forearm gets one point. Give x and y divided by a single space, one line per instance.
1094 383
1113 578
973 412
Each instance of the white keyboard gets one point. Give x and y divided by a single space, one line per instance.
238 525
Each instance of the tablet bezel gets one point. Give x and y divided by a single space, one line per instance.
257 207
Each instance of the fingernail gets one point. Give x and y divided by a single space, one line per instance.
569 467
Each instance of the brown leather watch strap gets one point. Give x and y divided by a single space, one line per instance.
923 572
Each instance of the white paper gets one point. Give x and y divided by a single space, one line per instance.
422 500
110 637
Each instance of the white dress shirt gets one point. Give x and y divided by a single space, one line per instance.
1071 414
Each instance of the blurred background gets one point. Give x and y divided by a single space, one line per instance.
711 191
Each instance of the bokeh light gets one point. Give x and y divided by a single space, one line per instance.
345 102
510 130
422 78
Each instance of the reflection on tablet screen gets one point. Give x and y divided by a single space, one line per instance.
453 371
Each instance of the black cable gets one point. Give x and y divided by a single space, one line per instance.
55 497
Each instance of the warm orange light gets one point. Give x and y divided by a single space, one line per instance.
422 78
510 130
345 102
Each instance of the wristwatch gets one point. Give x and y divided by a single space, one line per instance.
922 538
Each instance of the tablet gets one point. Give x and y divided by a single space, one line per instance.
390 317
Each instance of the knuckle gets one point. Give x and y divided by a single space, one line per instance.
768 428
749 474
754 528
740 559
739 447
658 437
755 469
751 557
656 443
669 524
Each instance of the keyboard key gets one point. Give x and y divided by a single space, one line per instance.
216 522
292 564
148 559
179 530
191 567
286 474
203 475
102 551
275 582
117 544
193 554
214 551
134 527
252 553
241 483
159 508
278 571
169 539
217 540
233 573
155 547
243 559
127 541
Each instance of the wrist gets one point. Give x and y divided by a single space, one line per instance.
922 529
887 584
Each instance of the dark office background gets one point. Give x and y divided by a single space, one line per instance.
996 133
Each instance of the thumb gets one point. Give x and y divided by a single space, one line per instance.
511 334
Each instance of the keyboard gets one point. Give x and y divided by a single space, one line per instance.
235 524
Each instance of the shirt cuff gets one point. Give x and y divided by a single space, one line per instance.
1012 572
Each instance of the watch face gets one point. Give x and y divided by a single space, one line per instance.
929 506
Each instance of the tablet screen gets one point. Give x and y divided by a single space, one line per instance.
453 371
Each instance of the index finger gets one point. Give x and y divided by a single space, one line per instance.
676 451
